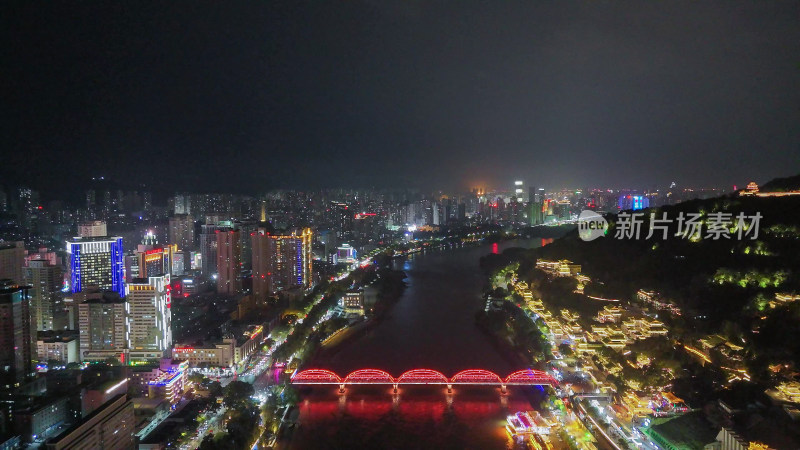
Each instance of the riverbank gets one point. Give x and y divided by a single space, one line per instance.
390 289
431 325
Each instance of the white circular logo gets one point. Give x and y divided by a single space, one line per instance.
591 225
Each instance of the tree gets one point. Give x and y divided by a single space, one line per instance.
215 389
241 426
237 394
290 395
196 377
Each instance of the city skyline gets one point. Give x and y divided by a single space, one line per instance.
400 224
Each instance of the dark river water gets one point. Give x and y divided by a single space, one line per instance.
432 326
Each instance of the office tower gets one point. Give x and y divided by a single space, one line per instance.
181 262
16 334
12 259
47 303
344 220
181 231
519 191
96 259
149 316
153 260
102 325
131 267
229 261
208 249
633 202
540 195
281 261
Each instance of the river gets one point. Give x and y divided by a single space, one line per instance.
431 326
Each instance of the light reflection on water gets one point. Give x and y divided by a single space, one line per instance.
432 326
416 417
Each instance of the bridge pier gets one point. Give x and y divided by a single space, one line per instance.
449 388
503 389
341 388
394 388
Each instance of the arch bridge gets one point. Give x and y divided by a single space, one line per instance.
526 377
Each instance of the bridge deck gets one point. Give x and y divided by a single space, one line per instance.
527 377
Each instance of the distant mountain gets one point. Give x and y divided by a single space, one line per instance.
782 184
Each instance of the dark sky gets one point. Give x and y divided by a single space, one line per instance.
235 96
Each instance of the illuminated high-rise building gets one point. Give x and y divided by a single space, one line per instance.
208 249
633 202
154 260
281 261
181 231
12 259
47 303
96 260
519 191
229 261
16 334
149 316
102 324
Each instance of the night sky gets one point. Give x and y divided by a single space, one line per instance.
228 96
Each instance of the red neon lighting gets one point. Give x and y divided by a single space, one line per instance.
316 376
423 376
153 251
477 376
369 376
528 376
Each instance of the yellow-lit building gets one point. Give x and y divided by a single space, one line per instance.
537 306
790 390
568 268
588 347
569 316
782 299
610 314
638 405
617 341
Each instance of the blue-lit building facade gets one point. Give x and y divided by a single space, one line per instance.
96 261
633 202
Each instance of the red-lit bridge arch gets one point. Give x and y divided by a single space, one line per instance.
527 377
